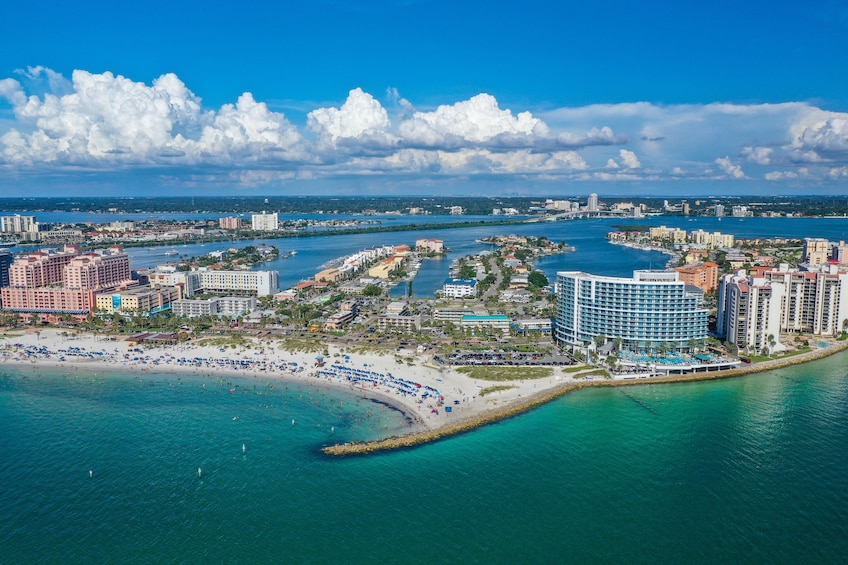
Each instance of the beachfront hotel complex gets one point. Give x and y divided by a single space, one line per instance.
68 281
653 311
50 283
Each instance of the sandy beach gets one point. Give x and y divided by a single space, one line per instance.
429 396
438 402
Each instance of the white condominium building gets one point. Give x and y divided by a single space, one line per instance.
675 235
459 288
261 283
264 222
712 240
782 301
749 312
653 311
221 306
17 224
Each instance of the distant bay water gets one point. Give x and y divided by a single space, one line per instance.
750 469
593 253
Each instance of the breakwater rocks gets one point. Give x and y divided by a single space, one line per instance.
457 427
523 405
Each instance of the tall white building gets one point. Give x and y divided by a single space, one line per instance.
264 222
653 311
815 303
782 301
17 224
592 203
749 312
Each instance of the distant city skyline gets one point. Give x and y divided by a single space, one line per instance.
424 97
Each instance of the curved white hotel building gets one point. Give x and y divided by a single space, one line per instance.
650 312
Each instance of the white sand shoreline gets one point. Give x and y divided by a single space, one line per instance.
420 392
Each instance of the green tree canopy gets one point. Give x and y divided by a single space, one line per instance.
372 290
537 279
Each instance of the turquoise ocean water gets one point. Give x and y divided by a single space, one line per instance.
750 469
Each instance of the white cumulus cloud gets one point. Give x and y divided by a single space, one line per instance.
105 121
478 120
629 159
729 168
111 119
758 155
827 138
780 175
360 117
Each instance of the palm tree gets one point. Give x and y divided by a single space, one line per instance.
599 340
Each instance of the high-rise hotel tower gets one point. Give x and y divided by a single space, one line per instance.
653 311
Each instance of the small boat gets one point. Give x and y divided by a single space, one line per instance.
172 252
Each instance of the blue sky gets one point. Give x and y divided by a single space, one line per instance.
424 97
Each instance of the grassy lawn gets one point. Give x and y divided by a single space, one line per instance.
761 358
495 388
367 349
497 373
574 368
12 334
234 340
302 344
